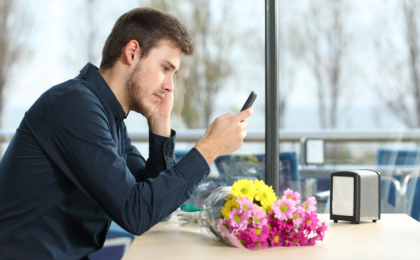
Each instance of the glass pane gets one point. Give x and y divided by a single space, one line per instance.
227 65
349 75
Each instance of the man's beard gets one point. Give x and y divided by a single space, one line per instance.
133 91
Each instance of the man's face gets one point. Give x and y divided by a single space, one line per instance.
152 78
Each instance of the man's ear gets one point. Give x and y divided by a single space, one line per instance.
132 52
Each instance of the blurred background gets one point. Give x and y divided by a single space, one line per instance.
349 77
349 71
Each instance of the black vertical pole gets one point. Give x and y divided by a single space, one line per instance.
271 96
90 32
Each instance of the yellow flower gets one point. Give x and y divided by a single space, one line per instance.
229 206
264 194
269 209
243 188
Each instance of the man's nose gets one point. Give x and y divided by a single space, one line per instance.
169 84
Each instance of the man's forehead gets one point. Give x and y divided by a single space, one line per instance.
166 43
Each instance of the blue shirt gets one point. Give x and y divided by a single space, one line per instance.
71 168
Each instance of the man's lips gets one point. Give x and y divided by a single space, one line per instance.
159 97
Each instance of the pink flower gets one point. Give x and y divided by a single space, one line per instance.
298 216
312 241
245 239
321 230
288 194
310 223
260 243
276 224
259 218
224 227
309 205
237 231
277 238
289 226
259 236
297 239
238 219
245 205
283 209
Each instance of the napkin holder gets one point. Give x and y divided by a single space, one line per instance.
355 196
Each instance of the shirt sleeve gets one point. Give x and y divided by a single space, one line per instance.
161 156
75 134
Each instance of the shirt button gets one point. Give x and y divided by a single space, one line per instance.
168 146
121 114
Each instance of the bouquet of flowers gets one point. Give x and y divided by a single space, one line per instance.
249 215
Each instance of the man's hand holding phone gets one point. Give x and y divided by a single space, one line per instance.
225 135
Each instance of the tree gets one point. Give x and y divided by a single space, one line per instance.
202 76
398 83
326 46
13 26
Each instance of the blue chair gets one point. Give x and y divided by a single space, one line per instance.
289 169
412 185
116 244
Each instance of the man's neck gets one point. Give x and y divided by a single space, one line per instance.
116 81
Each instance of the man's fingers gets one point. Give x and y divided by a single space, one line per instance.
224 116
243 114
244 124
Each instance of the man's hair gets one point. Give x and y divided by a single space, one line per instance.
148 27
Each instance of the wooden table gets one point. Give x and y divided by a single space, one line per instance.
395 236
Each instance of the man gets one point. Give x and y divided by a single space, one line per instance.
71 168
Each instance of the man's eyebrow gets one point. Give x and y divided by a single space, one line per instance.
171 65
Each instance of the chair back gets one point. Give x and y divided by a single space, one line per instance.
398 157
116 244
411 186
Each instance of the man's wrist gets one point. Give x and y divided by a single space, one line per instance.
206 151
160 126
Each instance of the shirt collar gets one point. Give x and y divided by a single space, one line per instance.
91 74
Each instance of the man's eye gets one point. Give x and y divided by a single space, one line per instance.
165 68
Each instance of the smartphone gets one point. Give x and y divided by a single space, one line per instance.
249 101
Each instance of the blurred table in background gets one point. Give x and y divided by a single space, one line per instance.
311 174
324 171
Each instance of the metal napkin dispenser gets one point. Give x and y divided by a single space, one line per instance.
355 196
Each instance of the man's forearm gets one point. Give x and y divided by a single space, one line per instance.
160 126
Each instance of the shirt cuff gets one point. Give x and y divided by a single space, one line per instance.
161 148
194 167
